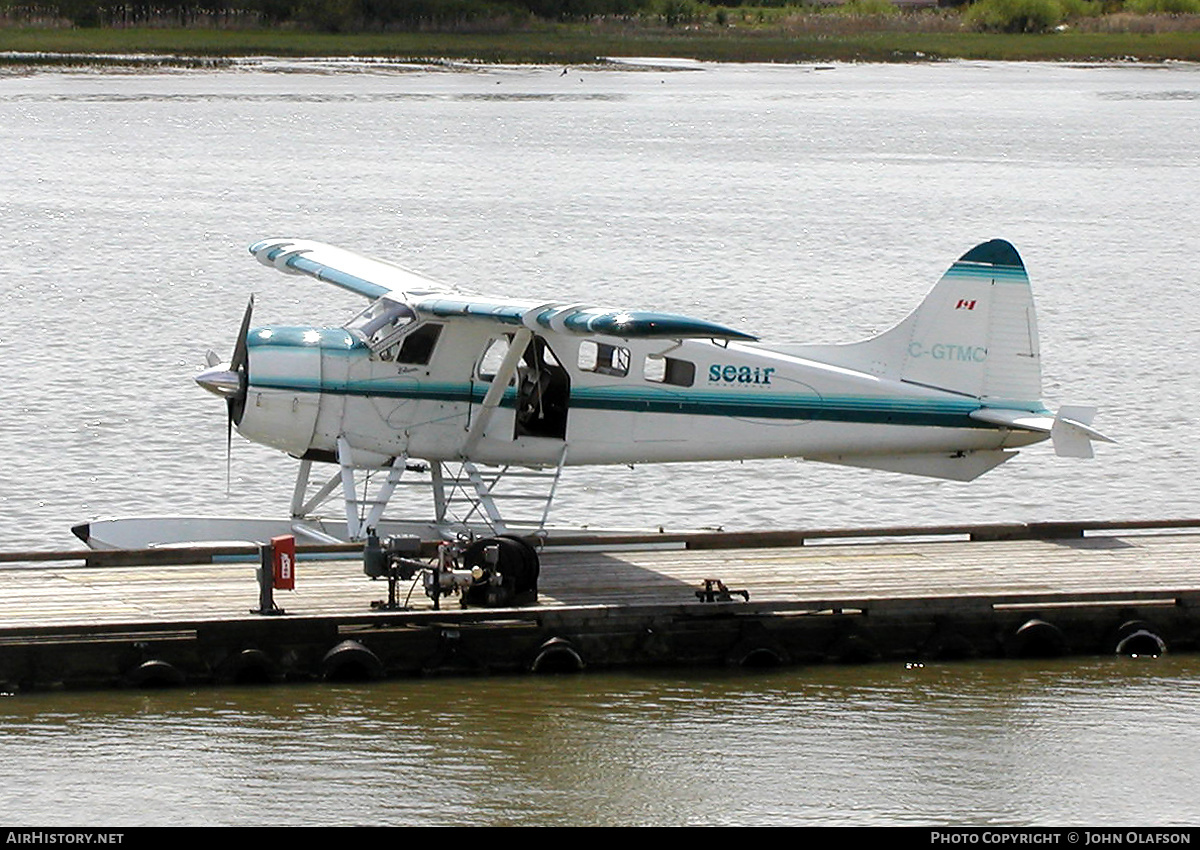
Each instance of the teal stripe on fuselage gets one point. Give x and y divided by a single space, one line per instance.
897 411
878 410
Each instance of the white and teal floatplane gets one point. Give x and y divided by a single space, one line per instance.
465 392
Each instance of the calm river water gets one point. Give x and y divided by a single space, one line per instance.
800 203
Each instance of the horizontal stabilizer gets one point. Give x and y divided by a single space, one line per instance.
1070 430
1021 419
961 466
1072 433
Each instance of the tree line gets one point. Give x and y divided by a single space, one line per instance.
1014 16
334 15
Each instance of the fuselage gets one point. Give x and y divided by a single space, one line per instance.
581 398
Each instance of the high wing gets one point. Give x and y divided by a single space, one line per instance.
373 279
578 319
365 276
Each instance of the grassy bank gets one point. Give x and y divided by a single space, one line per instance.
577 44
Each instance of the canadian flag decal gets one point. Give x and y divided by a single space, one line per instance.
964 304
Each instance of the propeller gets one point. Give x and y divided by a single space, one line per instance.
229 381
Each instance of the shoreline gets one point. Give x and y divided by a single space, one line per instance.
563 45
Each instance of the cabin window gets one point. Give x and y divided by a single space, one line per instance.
493 356
417 345
603 358
669 370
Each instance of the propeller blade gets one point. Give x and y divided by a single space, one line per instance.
230 381
239 350
229 447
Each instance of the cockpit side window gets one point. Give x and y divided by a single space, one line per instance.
417 345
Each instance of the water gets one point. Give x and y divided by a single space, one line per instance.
801 204
1056 743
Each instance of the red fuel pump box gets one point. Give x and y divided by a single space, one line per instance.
283 562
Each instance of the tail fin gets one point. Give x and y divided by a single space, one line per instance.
975 333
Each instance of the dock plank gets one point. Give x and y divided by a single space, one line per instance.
55 595
73 621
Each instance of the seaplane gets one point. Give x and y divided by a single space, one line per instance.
464 394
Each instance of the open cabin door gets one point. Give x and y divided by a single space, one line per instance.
543 393
539 389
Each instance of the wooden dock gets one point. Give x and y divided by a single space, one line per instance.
83 619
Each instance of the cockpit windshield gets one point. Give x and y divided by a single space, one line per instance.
380 322
393 332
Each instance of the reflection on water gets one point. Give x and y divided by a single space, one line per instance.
1081 742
